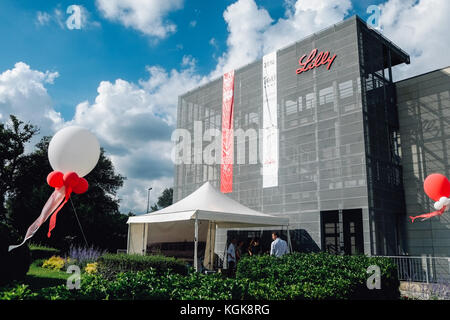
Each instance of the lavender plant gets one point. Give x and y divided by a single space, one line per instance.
81 256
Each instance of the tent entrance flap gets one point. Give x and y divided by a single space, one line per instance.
208 261
137 238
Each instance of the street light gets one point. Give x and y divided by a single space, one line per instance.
148 200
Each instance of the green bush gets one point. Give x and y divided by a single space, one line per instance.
17 292
42 252
148 285
316 276
15 264
109 265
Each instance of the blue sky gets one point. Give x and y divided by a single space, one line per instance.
136 73
85 57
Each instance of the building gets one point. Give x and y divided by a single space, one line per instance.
331 158
424 113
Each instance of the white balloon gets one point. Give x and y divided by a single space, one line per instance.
438 205
74 149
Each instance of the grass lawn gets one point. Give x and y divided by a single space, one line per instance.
38 277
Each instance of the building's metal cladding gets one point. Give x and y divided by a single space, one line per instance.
339 170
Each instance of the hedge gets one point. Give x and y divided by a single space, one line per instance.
297 276
41 252
317 276
109 265
14 265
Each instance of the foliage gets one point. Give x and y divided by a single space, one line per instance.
149 284
81 256
13 138
54 263
91 268
15 264
111 264
42 252
17 292
316 276
164 200
297 276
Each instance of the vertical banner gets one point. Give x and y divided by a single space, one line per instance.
226 167
270 122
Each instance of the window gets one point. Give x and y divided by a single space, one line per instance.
326 95
346 89
310 100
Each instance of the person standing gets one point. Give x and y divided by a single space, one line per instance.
254 247
231 257
278 247
239 251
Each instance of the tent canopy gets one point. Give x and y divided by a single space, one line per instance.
195 218
206 203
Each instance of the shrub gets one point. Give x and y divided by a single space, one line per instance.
148 285
18 292
84 255
54 263
316 276
15 264
110 265
91 268
42 252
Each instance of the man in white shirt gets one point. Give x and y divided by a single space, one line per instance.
231 256
278 247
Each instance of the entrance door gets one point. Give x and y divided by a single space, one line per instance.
342 232
330 231
353 232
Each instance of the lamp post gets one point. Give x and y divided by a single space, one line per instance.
148 200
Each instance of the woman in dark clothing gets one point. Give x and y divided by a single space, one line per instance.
254 247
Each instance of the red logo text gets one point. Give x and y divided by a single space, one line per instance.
314 60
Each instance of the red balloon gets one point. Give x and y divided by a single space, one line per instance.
81 187
71 179
436 186
55 179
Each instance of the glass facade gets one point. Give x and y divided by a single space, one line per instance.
424 112
339 176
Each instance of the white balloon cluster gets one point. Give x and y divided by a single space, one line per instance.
443 201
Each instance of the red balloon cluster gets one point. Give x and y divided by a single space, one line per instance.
70 180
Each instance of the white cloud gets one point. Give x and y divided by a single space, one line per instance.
147 16
23 93
252 32
421 28
134 123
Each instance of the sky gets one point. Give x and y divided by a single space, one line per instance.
120 70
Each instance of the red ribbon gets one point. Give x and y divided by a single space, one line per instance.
429 215
71 182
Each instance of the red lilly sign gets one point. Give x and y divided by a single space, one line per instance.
314 60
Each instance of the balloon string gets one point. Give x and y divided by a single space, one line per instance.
79 224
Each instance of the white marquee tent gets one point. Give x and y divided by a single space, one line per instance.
195 218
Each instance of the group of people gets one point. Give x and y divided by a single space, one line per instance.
235 251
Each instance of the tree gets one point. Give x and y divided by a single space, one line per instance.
13 138
164 200
97 209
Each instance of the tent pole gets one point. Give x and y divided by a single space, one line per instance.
196 244
289 240
128 239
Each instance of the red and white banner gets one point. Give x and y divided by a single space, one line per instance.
226 167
